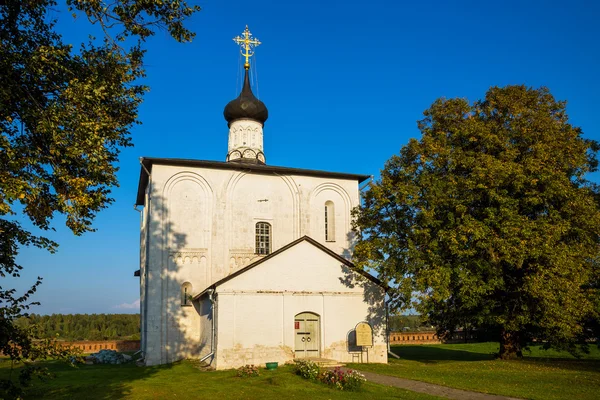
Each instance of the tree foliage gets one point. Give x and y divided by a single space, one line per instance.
65 113
397 323
490 221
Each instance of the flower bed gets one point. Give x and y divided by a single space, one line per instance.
350 379
342 379
248 370
307 369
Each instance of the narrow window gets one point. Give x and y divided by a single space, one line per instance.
329 222
263 238
186 292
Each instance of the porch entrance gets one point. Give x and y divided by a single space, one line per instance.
307 329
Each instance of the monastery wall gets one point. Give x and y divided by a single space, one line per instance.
414 338
91 346
430 337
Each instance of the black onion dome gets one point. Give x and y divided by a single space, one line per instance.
246 106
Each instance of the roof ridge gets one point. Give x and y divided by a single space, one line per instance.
286 247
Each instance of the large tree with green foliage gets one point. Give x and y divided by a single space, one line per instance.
65 113
489 221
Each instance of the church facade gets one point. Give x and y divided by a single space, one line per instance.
247 263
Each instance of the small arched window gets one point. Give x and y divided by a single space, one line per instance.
186 293
329 222
263 238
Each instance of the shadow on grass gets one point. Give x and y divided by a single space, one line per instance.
93 382
563 363
432 355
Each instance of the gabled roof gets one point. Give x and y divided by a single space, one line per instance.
147 163
284 248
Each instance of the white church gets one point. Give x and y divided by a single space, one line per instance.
246 263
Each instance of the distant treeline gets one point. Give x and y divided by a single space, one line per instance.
127 326
399 323
83 326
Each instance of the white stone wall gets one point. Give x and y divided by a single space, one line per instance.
143 270
201 228
245 140
256 309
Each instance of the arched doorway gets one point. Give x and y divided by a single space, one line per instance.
307 328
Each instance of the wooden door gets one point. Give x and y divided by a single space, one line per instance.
307 329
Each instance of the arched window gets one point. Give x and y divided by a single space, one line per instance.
329 222
186 293
263 238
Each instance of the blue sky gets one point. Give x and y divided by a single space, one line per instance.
345 83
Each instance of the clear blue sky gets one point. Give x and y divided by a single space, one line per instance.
345 83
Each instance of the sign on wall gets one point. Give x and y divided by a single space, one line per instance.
364 334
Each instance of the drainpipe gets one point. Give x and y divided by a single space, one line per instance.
366 185
211 293
143 166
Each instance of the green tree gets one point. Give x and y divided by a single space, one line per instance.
490 220
65 113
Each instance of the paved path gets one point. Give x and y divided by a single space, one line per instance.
430 388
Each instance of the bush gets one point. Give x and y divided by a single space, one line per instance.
248 370
307 369
349 380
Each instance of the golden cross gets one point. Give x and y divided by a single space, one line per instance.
247 43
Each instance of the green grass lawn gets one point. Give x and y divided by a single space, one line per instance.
184 381
544 375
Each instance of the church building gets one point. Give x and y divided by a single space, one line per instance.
242 262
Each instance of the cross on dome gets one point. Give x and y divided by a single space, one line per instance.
246 115
247 43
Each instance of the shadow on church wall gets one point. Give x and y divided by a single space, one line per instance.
166 337
171 327
373 294
351 342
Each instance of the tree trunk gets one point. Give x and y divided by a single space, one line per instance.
510 345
